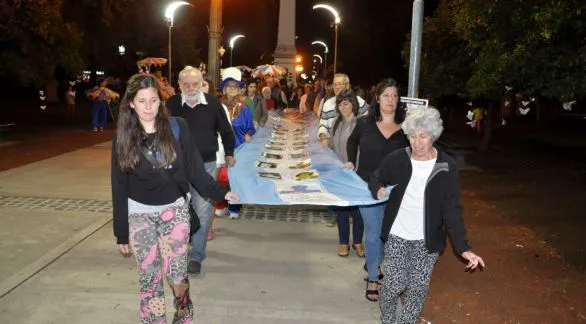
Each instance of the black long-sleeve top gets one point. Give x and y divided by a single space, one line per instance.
372 144
205 122
149 186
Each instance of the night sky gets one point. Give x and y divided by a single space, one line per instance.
371 36
370 40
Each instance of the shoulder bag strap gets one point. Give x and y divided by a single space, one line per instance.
154 162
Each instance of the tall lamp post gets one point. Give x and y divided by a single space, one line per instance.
337 22
169 15
415 54
232 41
325 60
321 60
121 51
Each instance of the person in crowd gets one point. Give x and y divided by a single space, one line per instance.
239 115
206 119
101 97
360 92
328 114
207 86
321 95
314 96
151 216
286 90
276 92
70 99
168 90
376 135
221 175
371 93
254 102
267 102
296 97
347 107
303 101
423 208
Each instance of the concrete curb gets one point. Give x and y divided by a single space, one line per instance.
41 263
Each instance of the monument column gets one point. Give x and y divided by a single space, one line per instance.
285 50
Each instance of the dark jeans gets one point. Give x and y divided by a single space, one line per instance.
343 215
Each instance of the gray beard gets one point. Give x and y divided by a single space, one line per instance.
194 97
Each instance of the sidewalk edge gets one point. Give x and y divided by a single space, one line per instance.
20 277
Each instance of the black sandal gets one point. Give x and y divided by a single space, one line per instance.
380 276
372 292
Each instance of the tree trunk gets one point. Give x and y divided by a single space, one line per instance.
487 136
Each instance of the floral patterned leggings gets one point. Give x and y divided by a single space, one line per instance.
159 237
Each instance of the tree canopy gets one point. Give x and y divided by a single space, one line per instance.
35 40
38 37
481 46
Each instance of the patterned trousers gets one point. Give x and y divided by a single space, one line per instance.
407 268
159 237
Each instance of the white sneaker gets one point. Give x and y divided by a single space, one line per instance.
234 215
220 212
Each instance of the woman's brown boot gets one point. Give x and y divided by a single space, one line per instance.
359 249
343 250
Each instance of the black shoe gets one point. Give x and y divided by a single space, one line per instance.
194 267
380 276
372 294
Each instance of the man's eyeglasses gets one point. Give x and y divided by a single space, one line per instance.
195 85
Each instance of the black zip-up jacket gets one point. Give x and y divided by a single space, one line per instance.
149 186
442 208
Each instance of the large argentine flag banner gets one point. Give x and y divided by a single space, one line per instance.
285 164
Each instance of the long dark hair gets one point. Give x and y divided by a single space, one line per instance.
374 110
130 135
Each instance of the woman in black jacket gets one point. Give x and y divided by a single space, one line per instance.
423 206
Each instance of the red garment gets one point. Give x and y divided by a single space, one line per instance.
271 104
222 181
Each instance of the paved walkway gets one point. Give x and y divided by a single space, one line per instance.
60 265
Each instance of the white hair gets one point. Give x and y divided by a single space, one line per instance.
425 119
188 69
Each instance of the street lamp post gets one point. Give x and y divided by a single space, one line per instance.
232 41
121 51
337 22
321 60
169 15
325 60
415 54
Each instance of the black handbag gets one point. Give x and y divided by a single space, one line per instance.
194 223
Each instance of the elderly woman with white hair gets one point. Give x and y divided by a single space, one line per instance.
423 207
